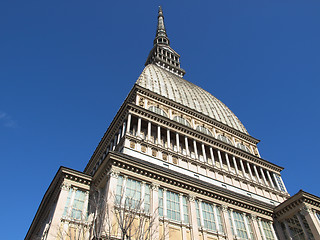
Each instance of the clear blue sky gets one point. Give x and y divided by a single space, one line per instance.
67 66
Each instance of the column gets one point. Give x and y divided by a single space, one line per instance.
214 132
275 179
109 196
312 221
262 231
193 218
129 122
216 217
187 146
248 166
235 164
280 231
143 190
273 232
246 224
195 149
119 136
302 226
159 135
226 221
164 202
123 197
220 159
181 207
154 210
168 138
114 142
255 226
287 230
149 131
283 184
256 172
212 156
270 179
201 213
139 127
228 163
264 177
242 168
56 218
123 128
177 142
85 207
204 152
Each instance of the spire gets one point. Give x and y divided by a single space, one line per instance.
161 33
162 54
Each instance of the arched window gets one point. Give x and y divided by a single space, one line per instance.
203 130
181 120
158 111
224 139
243 147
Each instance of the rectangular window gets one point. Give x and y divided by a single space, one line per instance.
77 206
250 228
240 225
267 230
147 198
280 183
119 190
133 194
173 206
198 213
208 216
185 209
65 212
220 223
231 224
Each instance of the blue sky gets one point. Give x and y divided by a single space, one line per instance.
67 66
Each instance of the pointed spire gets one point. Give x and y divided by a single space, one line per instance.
161 34
162 54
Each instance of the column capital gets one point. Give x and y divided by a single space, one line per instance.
224 208
65 186
305 210
155 186
113 173
192 198
253 217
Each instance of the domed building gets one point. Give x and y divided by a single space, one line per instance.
175 163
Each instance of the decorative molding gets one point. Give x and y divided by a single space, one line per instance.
155 187
65 186
114 174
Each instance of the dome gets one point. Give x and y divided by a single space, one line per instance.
177 89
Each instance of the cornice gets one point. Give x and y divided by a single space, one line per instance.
146 169
295 202
203 137
117 120
196 114
52 193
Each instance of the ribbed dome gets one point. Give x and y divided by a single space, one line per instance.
177 89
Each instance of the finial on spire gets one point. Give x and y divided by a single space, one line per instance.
161 34
162 54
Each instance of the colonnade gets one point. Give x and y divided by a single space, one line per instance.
191 148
